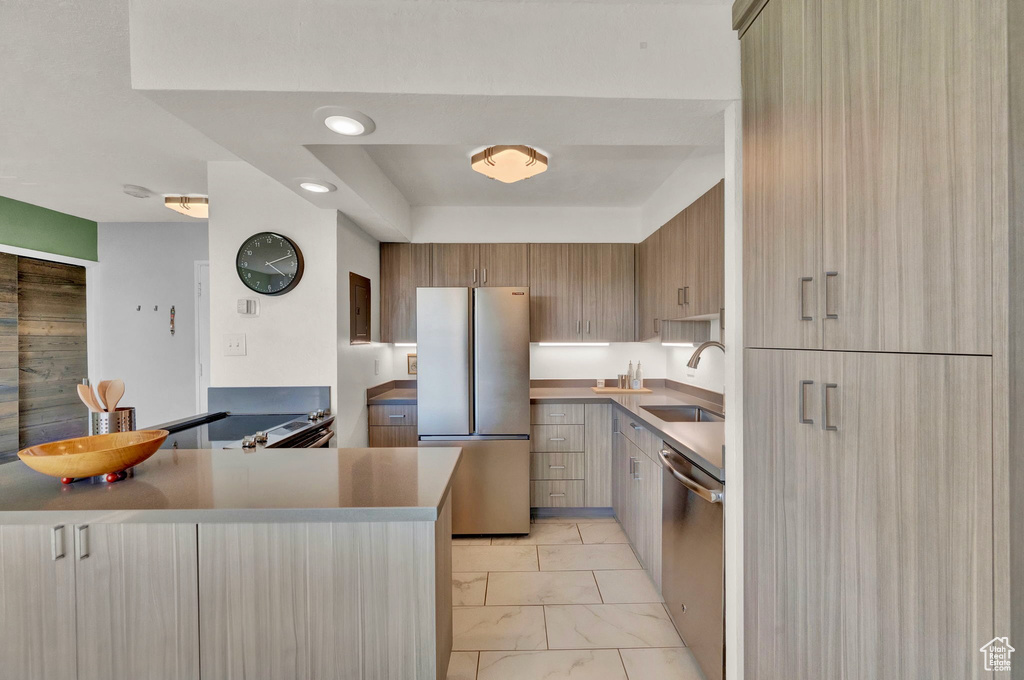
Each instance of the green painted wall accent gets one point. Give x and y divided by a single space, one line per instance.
24 225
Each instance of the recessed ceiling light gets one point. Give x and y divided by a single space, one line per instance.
509 164
317 187
193 206
344 125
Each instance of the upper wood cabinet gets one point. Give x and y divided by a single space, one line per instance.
680 268
782 277
403 268
608 294
556 292
870 152
581 292
649 291
504 264
480 264
910 147
455 265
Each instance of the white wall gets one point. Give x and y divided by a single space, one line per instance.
293 341
710 372
702 170
360 253
147 265
596 362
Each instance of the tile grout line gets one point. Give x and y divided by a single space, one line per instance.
547 641
476 674
621 661
487 584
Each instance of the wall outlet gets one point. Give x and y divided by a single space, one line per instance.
234 345
600 382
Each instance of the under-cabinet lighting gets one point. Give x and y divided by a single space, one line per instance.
405 344
574 344
678 344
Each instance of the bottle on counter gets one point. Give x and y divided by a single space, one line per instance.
638 379
632 376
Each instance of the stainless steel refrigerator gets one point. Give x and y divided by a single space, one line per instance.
473 391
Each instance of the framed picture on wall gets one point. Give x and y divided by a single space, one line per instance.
411 359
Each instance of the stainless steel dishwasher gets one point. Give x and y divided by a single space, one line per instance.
693 558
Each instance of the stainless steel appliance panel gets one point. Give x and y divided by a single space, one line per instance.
491 489
693 559
501 348
444 355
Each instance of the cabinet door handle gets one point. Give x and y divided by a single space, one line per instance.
556 495
57 541
803 298
556 467
686 295
657 325
588 327
635 426
556 439
474 274
397 415
485 274
83 541
826 409
578 327
829 276
679 297
804 420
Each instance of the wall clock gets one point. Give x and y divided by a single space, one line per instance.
269 263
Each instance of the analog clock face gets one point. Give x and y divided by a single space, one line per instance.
269 263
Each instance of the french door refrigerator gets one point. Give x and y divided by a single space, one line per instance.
473 391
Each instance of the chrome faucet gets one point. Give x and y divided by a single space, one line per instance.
695 359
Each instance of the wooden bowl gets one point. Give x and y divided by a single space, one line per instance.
92 456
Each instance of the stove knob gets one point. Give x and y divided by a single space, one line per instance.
320 414
260 437
311 416
248 442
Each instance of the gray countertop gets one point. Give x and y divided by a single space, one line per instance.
701 442
276 485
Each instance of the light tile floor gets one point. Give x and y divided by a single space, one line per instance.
570 601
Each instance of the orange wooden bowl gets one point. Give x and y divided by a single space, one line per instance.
92 456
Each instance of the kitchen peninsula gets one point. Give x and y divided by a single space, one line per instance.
232 564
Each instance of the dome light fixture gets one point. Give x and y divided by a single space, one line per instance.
509 164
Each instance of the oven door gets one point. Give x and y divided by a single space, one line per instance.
319 438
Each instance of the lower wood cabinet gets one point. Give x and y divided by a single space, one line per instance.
566 493
99 602
868 525
637 495
571 455
392 425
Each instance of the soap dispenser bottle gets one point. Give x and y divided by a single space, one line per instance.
632 376
638 380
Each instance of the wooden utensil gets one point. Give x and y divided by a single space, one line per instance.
115 390
88 398
101 392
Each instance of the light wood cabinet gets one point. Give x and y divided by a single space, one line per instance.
455 265
404 267
890 513
649 290
556 292
480 264
704 286
608 292
137 600
637 492
504 264
326 600
598 435
100 601
910 156
37 595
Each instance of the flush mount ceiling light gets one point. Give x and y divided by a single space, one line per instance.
317 187
193 206
509 164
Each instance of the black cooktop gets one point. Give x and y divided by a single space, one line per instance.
225 430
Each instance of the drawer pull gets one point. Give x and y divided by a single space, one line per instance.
635 426
556 467
556 439
555 495
557 415
396 416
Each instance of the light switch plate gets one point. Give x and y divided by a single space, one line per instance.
248 307
234 345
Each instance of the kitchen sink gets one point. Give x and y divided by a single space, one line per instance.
684 414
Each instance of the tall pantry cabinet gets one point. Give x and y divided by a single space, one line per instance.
876 333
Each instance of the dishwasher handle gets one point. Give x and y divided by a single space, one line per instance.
707 494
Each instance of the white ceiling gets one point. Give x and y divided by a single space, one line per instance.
73 132
598 176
